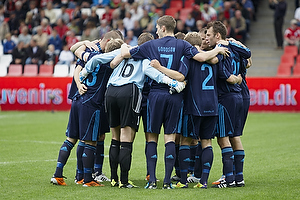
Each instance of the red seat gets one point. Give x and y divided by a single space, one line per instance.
284 70
296 70
30 70
46 70
291 50
15 70
287 59
176 4
184 13
189 3
171 11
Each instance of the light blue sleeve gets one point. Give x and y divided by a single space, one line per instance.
152 72
101 59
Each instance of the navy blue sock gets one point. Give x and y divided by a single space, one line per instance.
79 152
99 157
125 160
88 158
239 156
176 165
192 158
152 160
198 163
170 156
146 145
63 156
184 162
227 159
207 160
114 159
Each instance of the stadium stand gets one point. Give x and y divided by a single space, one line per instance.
284 69
46 70
61 70
296 70
15 70
291 50
30 70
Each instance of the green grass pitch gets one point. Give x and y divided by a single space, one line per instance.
30 142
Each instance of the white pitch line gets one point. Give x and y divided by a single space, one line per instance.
30 161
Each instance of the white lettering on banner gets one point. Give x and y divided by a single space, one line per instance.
31 96
69 101
284 96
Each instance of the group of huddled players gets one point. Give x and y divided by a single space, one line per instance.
194 87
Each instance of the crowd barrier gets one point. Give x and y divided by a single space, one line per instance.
50 93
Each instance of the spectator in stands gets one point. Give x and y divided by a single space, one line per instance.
90 33
248 5
245 13
107 15
36 55
29 22
238 24
20 13
9 6
208 13
199 25
61 28
64 15
280 9
145 20
19 54
137 30
115 17
13 23
56 41
230 30
161 4
71 39
24 36
86 3
50 55
73 26
180 27
4 27
122 28
297 15
190 23
228 11
292 34
128 21
76 14
94 17
217 5
50 13
82 22
66 56
8 44
41 38
104 28
33 8
136 11
131 39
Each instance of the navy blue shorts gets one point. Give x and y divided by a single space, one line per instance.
246 105
199 127
85 122
230 111
164 109
144 112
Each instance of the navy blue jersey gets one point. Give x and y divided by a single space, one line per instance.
201 97
168 51
73 89
231 65
243 71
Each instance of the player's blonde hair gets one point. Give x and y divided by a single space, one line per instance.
194 38
144 37
113 44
